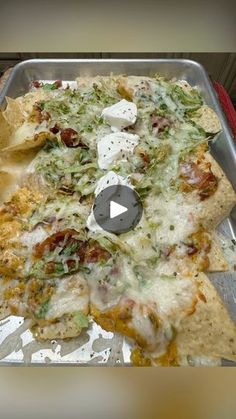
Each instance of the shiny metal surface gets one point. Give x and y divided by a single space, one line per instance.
96 346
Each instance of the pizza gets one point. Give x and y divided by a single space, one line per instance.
61 145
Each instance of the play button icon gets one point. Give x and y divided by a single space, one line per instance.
117 209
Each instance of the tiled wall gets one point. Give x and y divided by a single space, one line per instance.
220 66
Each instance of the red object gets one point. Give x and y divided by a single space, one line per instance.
227 106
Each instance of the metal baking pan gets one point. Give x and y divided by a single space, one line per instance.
96 346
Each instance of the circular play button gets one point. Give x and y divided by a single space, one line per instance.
117 209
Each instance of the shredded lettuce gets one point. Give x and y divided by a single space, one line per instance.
167 277
41 313
50 86
81 319
190 101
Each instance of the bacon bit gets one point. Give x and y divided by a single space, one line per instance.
82 252
36 84
97 254
71 138
166 251
50 268
71 263
196 178
202 297
201 240
159 123
192 250
145 158
115 270
55 129
87 252
57 83
54 241
65 190
126 310
39 114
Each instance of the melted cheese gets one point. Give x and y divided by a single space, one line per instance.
173 297
31 238
170 298
71 296
175 218
141 240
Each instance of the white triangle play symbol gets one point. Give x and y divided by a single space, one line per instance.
116 209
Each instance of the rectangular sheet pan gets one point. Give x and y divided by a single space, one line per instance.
96 346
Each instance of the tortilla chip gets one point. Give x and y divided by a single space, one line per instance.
18 110
5 132
16 161
4 310
218 206
63 328
27 101
209 331
25 137
206 118
13 113
12 171
8 185
216 257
